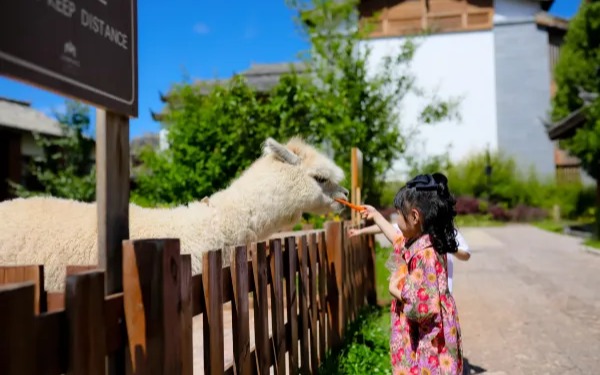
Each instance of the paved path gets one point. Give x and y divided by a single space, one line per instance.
528 303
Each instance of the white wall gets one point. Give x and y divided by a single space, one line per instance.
163 141
29 147
456 65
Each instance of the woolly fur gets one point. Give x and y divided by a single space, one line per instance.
273 192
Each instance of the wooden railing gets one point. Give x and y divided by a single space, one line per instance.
311 284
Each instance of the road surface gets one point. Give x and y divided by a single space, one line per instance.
529 303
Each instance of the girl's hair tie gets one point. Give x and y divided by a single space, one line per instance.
423 182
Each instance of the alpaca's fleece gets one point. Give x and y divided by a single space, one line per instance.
273 192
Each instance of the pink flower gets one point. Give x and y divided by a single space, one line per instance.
433 361
446 362
423 309
422 294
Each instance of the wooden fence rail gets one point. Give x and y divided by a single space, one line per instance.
311 285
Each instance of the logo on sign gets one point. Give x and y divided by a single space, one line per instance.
70 49
69 54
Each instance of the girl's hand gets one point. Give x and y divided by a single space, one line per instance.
369 212
354 232
394 286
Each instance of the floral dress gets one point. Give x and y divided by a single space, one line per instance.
425 332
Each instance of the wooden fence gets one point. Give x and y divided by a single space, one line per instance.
311 284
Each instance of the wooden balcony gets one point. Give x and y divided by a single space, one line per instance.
407 17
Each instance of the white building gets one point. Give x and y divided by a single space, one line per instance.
490 54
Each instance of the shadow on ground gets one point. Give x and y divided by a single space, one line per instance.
471 369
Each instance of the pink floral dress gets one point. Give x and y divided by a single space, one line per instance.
425 332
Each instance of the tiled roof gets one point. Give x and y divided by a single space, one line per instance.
20 115
261 77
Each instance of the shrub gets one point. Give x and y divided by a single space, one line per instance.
498 213
509 187
523 213
467 206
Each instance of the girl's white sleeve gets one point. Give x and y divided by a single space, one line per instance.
462 243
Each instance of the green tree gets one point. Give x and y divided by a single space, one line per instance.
215 133
360 105
336 102
66 167
212 137
578 68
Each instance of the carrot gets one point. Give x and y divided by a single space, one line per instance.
352 206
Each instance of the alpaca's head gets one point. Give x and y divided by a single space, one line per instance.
316 177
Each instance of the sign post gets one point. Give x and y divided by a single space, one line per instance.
356 166
86 50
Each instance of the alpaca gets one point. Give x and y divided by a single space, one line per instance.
273 192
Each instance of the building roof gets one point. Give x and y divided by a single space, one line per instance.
261 77
566 127
20 115
558 14
141 141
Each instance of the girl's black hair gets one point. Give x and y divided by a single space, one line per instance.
429 194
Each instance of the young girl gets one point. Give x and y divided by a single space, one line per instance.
425 337
462 253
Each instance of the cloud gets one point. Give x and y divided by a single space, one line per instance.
201 28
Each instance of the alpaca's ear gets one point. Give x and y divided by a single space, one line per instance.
280 151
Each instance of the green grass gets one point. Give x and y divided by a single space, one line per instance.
382 274
558 226
594 243
462 221
550 225
366 346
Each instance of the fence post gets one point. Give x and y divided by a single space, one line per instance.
240 311
212 321
291 268
261 306
322 297
151 298
371 277
187 346
277 311
84 307
303 297
312 264
19 274
17 344
335 303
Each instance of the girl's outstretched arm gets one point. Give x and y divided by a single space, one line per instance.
373 229
386 227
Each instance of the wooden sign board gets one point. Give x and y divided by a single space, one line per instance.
84 49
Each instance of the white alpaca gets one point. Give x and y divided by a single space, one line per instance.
272 193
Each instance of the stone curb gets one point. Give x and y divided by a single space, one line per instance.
590 250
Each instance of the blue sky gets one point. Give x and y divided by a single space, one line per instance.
201 39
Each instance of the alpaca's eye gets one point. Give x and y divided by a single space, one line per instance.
320 179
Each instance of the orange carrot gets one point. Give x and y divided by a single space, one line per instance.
352 206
